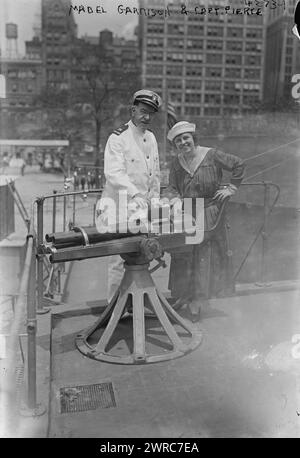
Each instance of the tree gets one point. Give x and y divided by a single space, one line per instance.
101 88
100 91
57 117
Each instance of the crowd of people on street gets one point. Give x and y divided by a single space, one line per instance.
14 162
87 177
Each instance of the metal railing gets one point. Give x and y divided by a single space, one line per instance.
19 203
53 274
25 306
263 228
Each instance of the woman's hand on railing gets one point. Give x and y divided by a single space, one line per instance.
226 191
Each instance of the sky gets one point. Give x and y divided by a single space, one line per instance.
26 14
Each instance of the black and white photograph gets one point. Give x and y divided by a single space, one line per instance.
149 222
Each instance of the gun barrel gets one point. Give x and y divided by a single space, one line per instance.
82 236
62 238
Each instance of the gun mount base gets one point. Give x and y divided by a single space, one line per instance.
138 293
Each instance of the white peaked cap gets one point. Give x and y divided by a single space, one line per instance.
180 127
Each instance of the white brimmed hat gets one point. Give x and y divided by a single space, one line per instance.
148 97
180 127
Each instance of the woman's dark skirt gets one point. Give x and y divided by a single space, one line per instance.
204 270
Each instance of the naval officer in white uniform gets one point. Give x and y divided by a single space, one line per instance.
131 164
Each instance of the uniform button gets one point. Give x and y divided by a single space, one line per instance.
150 174
144 139
148 157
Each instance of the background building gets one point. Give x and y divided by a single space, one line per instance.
34 48
217 68
120 52
23 82
59 31
207 65
23 75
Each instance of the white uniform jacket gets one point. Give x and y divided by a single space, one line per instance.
131 163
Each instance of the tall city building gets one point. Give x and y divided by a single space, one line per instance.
23 74
23 82
208 65
282 55
122 53
59 31
116 57
34 48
